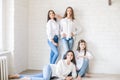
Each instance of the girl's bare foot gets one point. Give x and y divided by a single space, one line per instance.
79 78
87 75
15 76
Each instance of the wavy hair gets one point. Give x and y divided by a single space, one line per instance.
73 60
65 15
78 47
48 17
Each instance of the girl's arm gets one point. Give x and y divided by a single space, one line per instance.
49 30
49 33
76 29
61 28
59 70
59 17
83 56
74 73
88 56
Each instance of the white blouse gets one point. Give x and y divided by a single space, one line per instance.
62 69
79 61
68 26
52 29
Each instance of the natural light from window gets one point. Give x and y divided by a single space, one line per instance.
0 25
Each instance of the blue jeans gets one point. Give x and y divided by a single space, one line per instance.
84 68
54 50
46 75
68 44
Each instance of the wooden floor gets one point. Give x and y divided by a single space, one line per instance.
90 77
102 77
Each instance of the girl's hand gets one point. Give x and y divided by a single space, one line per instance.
79 78
56 44
79 56
77 68
72 34
85 57
63 35
69 78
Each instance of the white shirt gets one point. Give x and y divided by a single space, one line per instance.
68 27
79 61
62 69
52 29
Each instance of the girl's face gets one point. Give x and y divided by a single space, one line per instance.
51 15
70 56
82 46
69 11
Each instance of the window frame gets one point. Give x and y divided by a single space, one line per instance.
1 25
7 26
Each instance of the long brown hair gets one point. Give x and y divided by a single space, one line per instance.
48 17
73 60
65 15
78 48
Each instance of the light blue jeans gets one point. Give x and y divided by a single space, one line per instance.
84 68
68 44
54 50
46 75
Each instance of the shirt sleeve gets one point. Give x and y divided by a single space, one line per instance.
76 53
89 55
74 74
49 31
59 70
77 29
61 27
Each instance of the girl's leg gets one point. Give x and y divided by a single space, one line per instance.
54 52
51 56
37 75
54 59
40 75
47 72
45 76
70 43
32 78
36 78
65 46
84 68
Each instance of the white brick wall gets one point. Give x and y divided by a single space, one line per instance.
21 35
38 48
100 28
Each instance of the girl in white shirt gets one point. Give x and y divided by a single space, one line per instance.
82 58
68 29
52 33
61 70
65 66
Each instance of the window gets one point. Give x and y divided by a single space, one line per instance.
6 25
0 25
